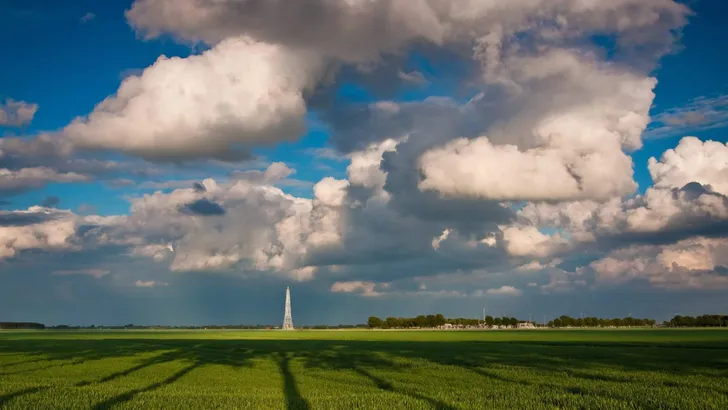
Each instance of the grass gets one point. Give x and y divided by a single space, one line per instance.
572 369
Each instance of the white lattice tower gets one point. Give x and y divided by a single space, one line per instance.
287 319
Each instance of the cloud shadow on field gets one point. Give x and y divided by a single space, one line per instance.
37 369
570 368
130 395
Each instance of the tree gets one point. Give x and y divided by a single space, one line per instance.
375 322
391 322
489 320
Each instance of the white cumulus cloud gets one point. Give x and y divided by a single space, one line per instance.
692 161
241 93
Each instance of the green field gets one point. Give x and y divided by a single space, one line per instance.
574 369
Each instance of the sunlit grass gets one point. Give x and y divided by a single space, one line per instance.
666 369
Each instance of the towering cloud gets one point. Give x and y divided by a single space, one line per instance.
562 139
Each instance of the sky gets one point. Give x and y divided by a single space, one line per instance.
181 162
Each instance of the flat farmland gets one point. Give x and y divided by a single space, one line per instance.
569 369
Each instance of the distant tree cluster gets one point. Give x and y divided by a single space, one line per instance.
429 321
700 321
438 320
567 321
21 325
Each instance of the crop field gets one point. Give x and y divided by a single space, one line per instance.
570 369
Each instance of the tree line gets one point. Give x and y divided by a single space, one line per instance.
21 325
568 321
437 320
699 321
406 322
564 321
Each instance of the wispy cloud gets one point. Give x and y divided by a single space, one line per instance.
120 182
149 284
363 288
16 113
414 77
86 209
171 184
326 153
505 290
96 273
88 17
382 289
699 114
130 72
50 201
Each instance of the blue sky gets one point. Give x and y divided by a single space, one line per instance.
67 57
695 71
